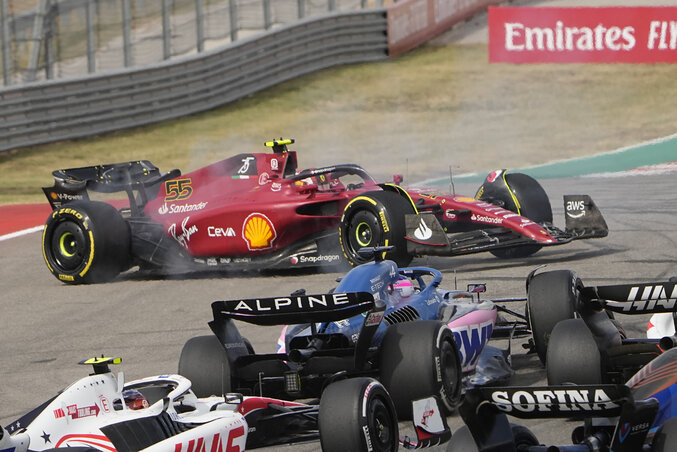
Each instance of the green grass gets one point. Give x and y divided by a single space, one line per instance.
420 114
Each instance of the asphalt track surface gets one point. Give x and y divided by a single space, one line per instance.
46 327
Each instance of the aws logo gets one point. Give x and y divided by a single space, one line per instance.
258 231
575 209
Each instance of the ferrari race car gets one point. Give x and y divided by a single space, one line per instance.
578 338
157 414
254 211
393 324
632 417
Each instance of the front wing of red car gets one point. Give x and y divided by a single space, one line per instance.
426 236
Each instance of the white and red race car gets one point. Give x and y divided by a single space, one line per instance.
103 413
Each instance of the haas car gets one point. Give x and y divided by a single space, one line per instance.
393 324
254 211
102 412
577 330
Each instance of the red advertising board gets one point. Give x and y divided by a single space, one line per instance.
583 35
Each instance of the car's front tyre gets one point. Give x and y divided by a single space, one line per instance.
375 218
357 415
417 360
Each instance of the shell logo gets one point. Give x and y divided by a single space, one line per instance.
258 231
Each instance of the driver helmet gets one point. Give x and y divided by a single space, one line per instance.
404 287
134 399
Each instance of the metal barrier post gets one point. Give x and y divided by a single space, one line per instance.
331 5
302 8
199 25
49 42
127 32
91 44
166 31
232 8
6 49
36 40
266 15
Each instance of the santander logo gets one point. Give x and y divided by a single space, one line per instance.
423 232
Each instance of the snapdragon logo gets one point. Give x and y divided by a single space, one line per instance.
326 258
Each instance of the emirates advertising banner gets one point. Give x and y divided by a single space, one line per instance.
583 35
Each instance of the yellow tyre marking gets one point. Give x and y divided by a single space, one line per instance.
44 255
91 254
406 194
514 198
383 255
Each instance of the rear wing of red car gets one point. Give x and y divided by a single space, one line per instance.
75 183
294 309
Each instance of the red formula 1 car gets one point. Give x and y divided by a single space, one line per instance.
260 211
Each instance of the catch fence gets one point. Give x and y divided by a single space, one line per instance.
55 39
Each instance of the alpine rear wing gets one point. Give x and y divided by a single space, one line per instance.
295 309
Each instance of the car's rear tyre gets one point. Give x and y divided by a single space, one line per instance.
417 360
665 439
551 297
86 242
375 218
462 440
573 355
357 415
205 363
533 204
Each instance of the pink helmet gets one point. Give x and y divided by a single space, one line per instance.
404 287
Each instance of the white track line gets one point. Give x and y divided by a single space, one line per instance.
20 233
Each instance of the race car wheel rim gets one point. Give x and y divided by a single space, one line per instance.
69 247
363 231
67 244
379 425
363 234
449 370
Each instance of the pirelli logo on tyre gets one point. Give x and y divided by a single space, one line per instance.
384 222
69 211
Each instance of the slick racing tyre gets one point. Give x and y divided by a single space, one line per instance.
533 204
86 242
357 415
375 218
417 360
205 363
573 355
551 297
